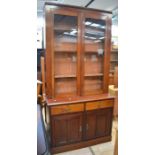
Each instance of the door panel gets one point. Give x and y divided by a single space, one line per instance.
98 123
103 122
59 135
74 129
90 125
66 129
109 121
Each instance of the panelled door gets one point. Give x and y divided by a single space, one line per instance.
66 129
98 123
103 122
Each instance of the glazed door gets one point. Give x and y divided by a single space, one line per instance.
63 52
66 129
95 47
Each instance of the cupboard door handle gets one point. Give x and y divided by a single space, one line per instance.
87 127
80 129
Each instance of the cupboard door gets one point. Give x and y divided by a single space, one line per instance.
65 55
66 129
90 125
95 50
59 131
74 128
104 122
98 123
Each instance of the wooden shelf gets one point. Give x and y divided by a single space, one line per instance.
93 52
96 29
113 60
64 76
92 47
64 27
89 75
96 92
111 71
65 51
65 46
89 52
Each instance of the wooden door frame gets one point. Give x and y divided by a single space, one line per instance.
81 15
50 79
106 45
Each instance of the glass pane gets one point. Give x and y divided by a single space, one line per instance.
65 50
94 56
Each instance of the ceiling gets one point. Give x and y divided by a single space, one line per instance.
109 5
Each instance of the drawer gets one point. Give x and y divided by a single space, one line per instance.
99 104
55 110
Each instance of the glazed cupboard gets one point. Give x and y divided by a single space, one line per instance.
78 44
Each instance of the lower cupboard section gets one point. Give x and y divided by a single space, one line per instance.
80 129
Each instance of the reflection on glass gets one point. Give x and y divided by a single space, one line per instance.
65 50
93 58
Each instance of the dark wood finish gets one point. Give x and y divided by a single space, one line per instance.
66 129
80 144
82 54
48 54
90 125
78 99
79 33
82 122
77 76
107 54
98 123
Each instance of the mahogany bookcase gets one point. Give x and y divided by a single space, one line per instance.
78 44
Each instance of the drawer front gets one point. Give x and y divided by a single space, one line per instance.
55 110
99 104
